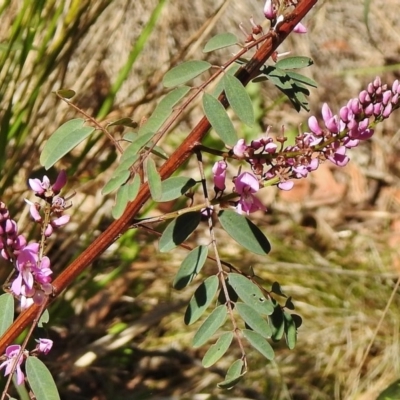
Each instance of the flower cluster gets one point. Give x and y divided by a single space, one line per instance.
273 162
15 356
33 281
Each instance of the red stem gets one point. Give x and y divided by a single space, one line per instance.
184 151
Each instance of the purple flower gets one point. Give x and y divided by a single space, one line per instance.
300 28
12 354
219 172
246 184
240 149
269 10
44 345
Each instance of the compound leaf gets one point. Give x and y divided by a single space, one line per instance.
243 231
211 324
201 299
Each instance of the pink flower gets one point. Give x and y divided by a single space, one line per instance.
240 149
246 184
12 353
269 10
300 28
44 345
219 172
60 181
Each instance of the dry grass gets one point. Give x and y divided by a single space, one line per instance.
335 238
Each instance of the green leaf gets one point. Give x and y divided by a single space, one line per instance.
133 188
277 323
129 122
179 230
176 186
219 87
254 320
66 93
219 119
44 318
190 267
220 41
201 299
115 182
217 350
259 343
302 79
276 288
138 142
163 110
121 202
40 380
243 231
185 72
290 330
239 99
63 140
233 375
211 324
7 311
250 294
294 62
154 179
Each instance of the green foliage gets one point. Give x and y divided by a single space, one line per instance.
154 179
201 299
40 380
7 311
219 119
238 99
253 319
63 140
179 230
163 110
185 72
174 187
233 375
211 324
190 267
259 343
217 350
249 235
220 41
250 294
